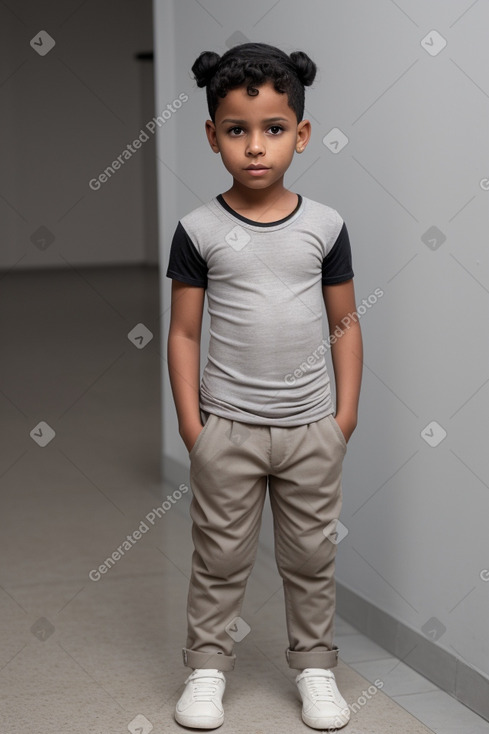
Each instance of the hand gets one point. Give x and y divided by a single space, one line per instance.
190 435
346 424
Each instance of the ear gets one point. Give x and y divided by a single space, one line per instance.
210 130
303 135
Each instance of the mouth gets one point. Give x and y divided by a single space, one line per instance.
257 171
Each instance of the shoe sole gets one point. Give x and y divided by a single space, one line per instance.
335 722
201 722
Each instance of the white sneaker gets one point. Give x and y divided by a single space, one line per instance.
200 705
323 706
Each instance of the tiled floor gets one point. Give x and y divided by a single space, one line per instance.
84 654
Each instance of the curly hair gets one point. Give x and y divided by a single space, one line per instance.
251 65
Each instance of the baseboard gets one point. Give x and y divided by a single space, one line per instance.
414 649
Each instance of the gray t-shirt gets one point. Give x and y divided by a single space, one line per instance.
264 282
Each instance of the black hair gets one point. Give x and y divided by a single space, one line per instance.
254 64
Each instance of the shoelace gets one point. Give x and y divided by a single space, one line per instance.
204 689
320 688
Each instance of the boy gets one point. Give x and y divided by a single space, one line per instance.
262 415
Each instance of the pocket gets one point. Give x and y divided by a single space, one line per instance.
338 431
198 440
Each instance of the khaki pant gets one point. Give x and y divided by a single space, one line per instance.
231 464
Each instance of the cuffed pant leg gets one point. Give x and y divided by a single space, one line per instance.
217 660
305 496
312 659
228 481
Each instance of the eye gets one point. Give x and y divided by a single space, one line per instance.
233 129
278 128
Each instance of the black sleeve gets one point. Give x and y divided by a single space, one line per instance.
337 265
186 264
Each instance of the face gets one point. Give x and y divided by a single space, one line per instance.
260 132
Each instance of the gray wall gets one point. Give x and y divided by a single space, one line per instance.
412 185
66 116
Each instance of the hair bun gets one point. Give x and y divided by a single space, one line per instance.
306 68
205 67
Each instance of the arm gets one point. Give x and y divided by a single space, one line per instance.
346 353
187 304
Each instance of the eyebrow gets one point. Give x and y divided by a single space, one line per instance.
243 122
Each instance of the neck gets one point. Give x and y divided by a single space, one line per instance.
242 197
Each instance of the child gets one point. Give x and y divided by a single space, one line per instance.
262 414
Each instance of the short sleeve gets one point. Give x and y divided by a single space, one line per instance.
186 263
337 265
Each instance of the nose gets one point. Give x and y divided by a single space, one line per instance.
255 145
